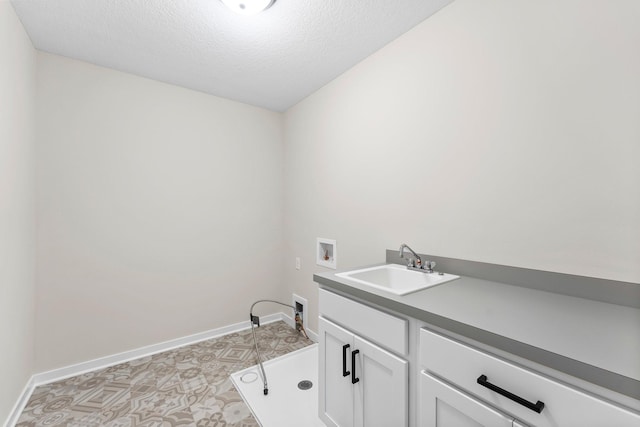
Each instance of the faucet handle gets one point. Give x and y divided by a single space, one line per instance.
429 266
411 262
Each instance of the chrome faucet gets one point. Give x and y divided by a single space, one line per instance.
411 263
416 264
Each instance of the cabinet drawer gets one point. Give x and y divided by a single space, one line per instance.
462 365
444 406
384 329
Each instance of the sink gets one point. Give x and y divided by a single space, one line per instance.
396 278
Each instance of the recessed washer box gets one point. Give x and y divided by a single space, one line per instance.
326 253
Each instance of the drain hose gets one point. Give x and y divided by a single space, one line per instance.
253 319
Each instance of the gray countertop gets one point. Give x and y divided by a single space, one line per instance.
596 341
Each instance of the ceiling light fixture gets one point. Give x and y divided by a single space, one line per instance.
248 7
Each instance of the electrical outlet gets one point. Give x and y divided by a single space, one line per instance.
301 307
297 263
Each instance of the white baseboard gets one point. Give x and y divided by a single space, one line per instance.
20 404
115 359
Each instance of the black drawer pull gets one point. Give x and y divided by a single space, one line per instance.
354 379
344 360
537 407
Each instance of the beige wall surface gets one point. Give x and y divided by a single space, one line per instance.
17 198
497 131
159 211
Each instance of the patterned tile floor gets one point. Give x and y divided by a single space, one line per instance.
188 386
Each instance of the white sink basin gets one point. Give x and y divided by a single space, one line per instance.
396 278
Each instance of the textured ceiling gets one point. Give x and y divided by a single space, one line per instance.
271 60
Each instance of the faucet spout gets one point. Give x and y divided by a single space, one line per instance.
405 246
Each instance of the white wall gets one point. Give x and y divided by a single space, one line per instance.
159 211
498 131
17 197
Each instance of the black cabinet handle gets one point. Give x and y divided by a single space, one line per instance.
354 379
537 407
344 360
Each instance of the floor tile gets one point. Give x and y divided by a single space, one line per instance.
189 386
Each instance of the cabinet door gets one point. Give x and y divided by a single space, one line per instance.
381 394
335 390
442 405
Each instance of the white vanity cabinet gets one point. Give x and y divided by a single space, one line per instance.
479 351
361 383
458 380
